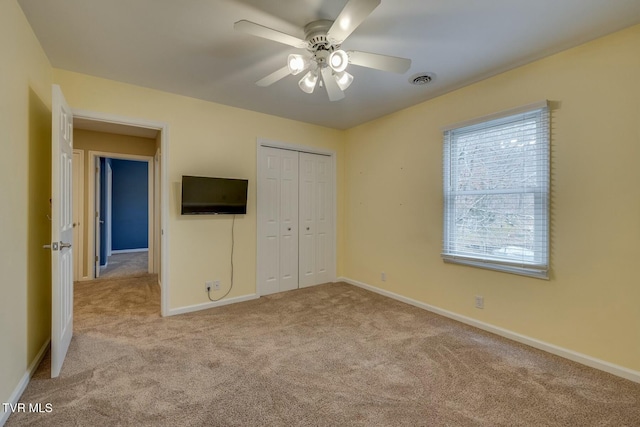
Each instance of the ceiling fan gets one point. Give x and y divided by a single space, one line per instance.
324 57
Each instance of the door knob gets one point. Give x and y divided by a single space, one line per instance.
307 228
289 229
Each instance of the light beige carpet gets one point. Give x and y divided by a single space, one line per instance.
331 355
126 264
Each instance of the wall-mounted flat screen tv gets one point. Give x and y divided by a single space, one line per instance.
213 196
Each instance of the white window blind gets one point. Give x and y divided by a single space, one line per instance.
496 192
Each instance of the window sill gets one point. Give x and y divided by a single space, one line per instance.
534 272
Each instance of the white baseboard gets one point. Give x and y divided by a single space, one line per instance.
212 304
583 359
126 251
24 381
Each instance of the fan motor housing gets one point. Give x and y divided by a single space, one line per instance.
316 35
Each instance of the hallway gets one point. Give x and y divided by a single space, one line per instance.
126 264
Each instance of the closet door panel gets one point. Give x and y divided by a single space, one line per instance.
288 220
307 219
272 240
315 219
269 222
324 216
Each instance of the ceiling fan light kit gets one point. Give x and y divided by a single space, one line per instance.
297 64
322 40
344 80
338 60
309 81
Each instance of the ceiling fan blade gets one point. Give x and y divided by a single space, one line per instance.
274 77
268 33
354 12
333 90
379 62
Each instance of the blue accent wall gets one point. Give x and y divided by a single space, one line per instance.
130 205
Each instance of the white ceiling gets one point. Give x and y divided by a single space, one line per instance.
189 47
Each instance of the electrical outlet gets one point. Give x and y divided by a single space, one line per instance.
479 301
383 276
216 285
208 285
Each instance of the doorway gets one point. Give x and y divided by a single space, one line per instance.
62 213
121 202
157 192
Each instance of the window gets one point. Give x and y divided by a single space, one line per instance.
496 192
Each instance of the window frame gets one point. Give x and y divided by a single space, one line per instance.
539 267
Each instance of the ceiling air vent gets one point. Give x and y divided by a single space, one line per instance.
421 79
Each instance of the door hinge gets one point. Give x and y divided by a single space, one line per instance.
96 259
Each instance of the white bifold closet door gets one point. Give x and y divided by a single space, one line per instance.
295 220
314 219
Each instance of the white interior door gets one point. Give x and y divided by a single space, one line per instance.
307 216
296 230
268 221
97 219
277 220
288 220
316 248
61 230
324 211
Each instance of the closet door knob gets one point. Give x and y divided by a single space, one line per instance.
307 228
289 229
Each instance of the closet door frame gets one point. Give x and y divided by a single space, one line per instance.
261 258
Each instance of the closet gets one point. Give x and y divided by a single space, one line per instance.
295 219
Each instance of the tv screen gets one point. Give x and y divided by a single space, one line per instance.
213 196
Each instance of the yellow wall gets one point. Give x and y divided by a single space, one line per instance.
394 218
211 140
39 227
87 140
25 123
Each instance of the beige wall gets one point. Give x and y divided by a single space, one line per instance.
87 140
394 203
25 123
113 143
211 140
